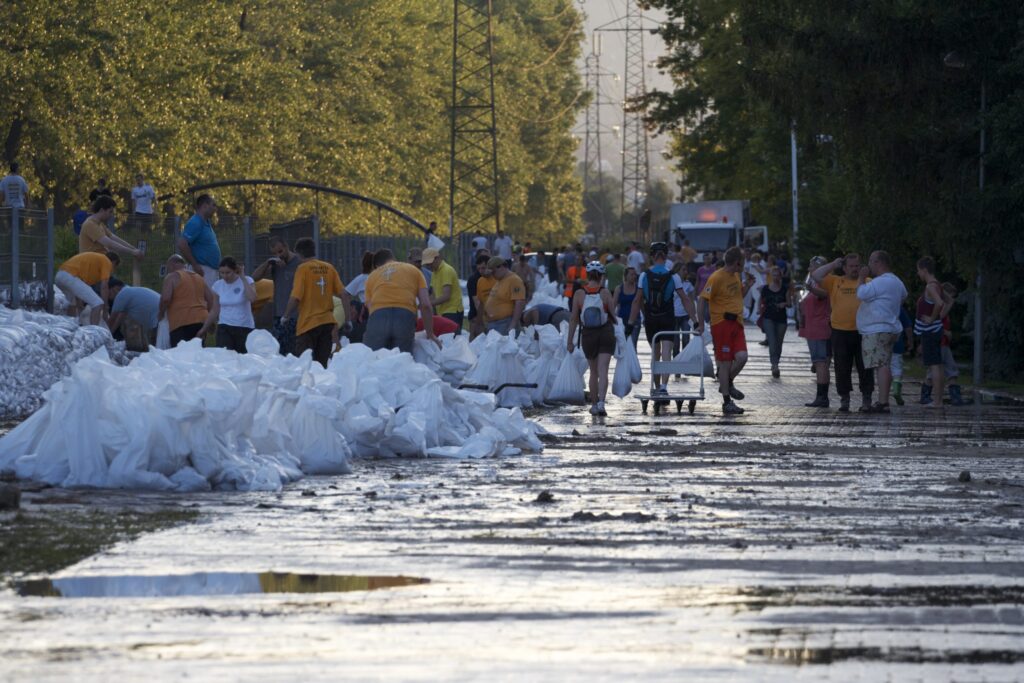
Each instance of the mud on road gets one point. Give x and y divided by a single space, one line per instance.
786 543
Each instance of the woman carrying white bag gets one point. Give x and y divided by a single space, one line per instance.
593 309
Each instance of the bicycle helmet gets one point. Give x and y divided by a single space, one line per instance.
595 267
659 247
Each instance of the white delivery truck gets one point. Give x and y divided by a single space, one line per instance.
716 226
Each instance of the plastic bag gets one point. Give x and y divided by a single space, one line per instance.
622 382
568 385
696 359
632 361
163 334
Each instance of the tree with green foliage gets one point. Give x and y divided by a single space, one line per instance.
888 133
352 94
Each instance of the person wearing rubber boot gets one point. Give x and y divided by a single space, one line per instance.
903 344
846 340
815 313
722 306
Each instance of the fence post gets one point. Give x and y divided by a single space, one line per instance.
250 248
49 260
15 258
316 233
177 232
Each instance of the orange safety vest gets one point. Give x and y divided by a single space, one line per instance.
574 274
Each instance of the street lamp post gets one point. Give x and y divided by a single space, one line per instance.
794 257
954 61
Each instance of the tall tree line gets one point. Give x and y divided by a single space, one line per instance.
348 93
886 100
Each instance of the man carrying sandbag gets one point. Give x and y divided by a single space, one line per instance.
79 274
134 313
187 302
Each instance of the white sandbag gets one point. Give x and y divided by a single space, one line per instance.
163 334
622 382
261 343
696 359
568 385
629 357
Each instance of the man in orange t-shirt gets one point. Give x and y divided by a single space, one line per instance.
722 307
79 274
394 291
313 290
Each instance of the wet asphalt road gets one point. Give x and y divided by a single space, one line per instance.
785 544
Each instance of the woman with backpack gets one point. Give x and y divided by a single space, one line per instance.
593 311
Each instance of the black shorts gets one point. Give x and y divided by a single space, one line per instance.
319 340
653 326
184 333
232 337
598 340
931 348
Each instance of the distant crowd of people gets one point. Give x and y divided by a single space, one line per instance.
852 316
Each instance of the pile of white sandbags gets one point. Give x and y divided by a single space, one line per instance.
191 419
37 350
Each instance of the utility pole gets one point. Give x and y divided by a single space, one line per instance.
592 158
636 168
794 257
473 178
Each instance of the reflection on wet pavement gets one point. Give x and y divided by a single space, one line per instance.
788 543
207 583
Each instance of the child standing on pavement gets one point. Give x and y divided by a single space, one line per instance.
903 344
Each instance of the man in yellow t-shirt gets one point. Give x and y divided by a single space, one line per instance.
80 273
313 291
95 236
722 305
446 294
506 300
846 351
394 291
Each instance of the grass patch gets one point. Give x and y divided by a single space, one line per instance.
46 541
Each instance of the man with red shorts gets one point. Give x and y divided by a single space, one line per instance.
722 305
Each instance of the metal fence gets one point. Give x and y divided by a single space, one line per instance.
27 243
26 258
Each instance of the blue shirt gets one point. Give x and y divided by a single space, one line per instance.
202 241
901 341
139 304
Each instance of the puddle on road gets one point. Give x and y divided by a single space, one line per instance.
800 656
207 583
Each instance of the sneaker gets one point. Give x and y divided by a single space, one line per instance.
736 394
879 408
600 409
660 391
593 409
763 342
730 408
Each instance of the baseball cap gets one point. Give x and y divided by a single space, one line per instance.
496 262
429 254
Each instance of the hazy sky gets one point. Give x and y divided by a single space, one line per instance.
613 49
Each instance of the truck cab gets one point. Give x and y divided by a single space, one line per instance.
716 225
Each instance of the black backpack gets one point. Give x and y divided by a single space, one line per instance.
658 293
